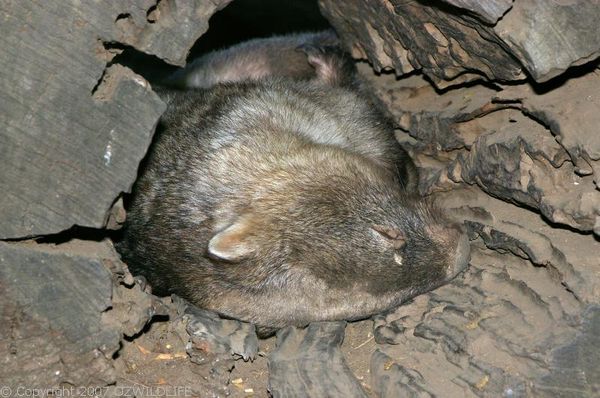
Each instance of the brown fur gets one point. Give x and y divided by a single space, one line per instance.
277 202
252 60
315 58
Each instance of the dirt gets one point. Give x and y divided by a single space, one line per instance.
157 359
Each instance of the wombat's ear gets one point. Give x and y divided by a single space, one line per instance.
234 243
332 65
394 235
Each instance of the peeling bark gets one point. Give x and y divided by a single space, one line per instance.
494 40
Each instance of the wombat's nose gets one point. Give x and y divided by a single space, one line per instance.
462 255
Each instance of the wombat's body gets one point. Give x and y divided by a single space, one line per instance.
277 202
314 58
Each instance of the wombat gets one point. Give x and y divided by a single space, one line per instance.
277 201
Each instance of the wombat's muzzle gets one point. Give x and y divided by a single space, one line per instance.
462 256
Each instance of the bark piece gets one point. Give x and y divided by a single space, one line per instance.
487 11
390 379
430 117
548 38
520 161
52 309
570 112
132 308
449 47
220 336
214 343
506 228
494 40
309 363
167 29
386 332
478 135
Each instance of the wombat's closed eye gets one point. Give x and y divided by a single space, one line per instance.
279 199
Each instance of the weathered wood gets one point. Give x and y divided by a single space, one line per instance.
504 227
521 162
548 38
52 307
59 286
497 328
390 379
489 11
167 29
70 144
64 311
574 370
226 337
530 281
448 46
309 363
570 112
536 149
451 46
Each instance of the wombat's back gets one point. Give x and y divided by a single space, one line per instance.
276 56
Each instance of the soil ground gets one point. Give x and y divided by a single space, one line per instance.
157 358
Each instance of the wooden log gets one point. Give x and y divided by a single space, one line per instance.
65 309
309 363
71 141
52 316
538 149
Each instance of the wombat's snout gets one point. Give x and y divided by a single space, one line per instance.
462 255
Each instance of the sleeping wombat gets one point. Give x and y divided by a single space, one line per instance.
276 201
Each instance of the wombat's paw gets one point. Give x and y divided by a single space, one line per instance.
223 336
332 65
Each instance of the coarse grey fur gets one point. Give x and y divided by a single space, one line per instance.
252 60
318 58
277 202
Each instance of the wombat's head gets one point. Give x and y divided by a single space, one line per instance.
347 228
426 248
